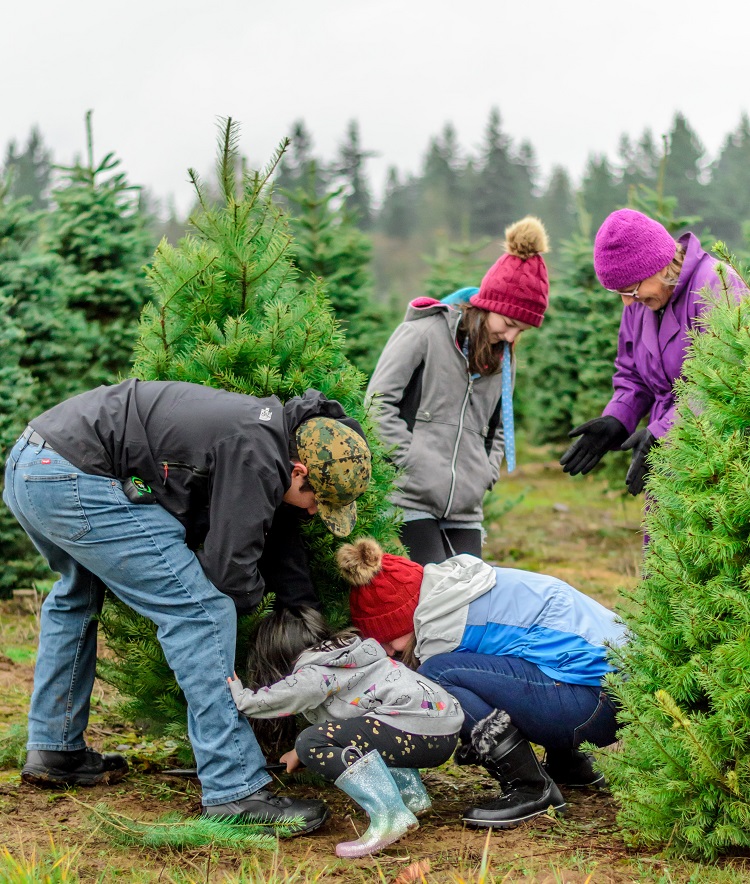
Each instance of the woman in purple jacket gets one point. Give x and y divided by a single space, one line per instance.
659 281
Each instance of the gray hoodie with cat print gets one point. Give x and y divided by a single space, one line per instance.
352 681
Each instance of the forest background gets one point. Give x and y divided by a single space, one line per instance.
74 239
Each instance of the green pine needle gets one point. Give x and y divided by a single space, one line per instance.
180 833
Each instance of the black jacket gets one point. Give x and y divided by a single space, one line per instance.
218 461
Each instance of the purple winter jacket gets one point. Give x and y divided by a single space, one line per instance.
650 354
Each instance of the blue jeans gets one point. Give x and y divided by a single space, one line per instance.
91 534
551 713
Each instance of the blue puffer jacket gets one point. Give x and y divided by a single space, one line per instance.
466 605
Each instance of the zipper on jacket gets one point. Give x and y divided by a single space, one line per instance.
467 395
178 465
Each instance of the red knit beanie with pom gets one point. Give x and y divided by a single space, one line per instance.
517 285
385 589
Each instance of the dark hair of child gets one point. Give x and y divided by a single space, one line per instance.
282 637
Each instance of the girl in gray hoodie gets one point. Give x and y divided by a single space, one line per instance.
374 722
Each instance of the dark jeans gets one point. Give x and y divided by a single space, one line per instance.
319 747
427 542
553 714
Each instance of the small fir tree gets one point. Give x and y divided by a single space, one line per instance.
98 232
30 170
328 246
43 353
227 312
455 266
682 776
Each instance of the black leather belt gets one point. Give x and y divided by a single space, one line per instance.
33 438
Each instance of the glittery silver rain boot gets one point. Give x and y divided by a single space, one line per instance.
369 782
413 793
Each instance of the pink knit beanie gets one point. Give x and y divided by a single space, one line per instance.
517 285
630 247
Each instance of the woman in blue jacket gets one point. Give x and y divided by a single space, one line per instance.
524 653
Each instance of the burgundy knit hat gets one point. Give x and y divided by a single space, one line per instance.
385 589
517 285
629 247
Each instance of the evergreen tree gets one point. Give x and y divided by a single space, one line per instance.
30 170
399 212
600 191
297 164
455 266
502 191
442 207
100 236
639 163
682 777
557 208
730 186
685 166
349 170
227 312
328 246
39 358
579 324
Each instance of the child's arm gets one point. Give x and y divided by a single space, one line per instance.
303 690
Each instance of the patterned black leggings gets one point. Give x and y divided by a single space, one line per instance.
319 747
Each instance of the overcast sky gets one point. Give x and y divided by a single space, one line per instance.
569 75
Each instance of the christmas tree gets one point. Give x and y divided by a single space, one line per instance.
682 777
456 265
328 245
227 312
99 234
41 349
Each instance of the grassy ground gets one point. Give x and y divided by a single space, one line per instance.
575 529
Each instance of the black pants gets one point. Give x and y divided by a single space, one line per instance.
427 542
319 747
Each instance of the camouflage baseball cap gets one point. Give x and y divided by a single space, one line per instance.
338 469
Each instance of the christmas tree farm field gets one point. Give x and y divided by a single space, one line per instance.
577 529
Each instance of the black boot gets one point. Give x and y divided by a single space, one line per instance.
527 790
84 767
573 769
265 807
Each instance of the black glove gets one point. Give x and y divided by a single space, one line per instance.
641 442
598 436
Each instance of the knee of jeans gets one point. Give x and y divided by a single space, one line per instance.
437 668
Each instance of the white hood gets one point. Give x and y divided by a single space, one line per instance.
447 591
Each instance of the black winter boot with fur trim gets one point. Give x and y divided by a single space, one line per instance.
527 790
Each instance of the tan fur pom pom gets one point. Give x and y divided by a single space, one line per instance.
360 561
526 238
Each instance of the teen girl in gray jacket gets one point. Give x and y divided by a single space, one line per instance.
438 389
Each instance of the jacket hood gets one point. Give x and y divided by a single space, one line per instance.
356 654
312 403
421 307
447 591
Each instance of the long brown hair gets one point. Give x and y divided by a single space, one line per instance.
484 356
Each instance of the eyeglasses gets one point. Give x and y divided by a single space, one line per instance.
633 294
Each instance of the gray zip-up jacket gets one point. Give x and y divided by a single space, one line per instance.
445 428
350 682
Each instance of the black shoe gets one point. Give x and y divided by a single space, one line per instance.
515 807
84 767
573 770
528 791
265 807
